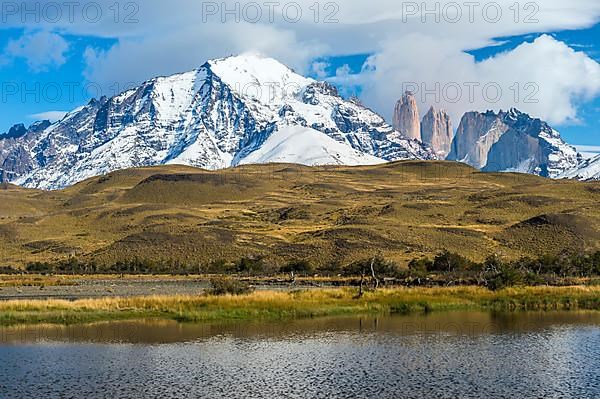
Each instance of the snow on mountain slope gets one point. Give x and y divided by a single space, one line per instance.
213 117
589 169
306 146
264 79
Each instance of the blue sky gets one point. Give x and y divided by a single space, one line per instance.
58 88
70 69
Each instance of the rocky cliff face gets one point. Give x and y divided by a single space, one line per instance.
406 117
437 131
214 117
512 142
475 136
14 132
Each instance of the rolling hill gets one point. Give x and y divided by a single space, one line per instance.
283 212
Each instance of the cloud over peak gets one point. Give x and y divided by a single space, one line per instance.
423 43
545 78
41 50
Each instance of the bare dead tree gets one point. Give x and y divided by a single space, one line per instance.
362 282
293 278
373 275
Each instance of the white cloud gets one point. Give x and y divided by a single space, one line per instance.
545 78
40 50
135 60
319 69
51 116
589 148
343 71
407 50
173 36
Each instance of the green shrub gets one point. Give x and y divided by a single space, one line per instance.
331 268
420 265
250 265
297 266
220 266
9 270
450 262
595 260
382 267
39 267
506 276
228 286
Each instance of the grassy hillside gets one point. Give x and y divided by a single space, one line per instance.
400 210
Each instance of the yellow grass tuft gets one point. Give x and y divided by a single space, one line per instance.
297 304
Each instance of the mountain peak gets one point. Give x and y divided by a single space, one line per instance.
437 131
512 141
14 132
256 65
246 58
231 111
406 116
39 126
513 114
263 78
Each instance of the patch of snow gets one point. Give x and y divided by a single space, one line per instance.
589 169
306 146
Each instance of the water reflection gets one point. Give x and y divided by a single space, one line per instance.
163 331
441 355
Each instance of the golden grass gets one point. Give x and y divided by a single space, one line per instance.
403 210
298 304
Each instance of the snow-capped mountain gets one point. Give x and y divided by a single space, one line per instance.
512 142
588 169
228 112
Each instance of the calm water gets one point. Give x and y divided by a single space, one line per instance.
448 355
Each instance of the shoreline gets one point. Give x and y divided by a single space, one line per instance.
284 305
99 286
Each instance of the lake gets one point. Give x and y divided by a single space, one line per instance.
438 355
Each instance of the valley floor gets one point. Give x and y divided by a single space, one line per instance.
302 303
73 287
